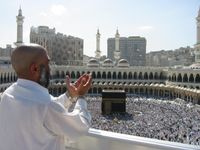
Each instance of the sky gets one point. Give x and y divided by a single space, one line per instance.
166 24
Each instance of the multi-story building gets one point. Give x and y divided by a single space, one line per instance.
183 56
5 54
62 49
133 49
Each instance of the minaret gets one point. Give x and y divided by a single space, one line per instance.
197 46
117 52
20 20
98 52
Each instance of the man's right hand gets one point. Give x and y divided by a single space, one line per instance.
80 87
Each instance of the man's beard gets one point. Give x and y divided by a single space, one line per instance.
44 77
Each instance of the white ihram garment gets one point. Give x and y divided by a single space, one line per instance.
31 119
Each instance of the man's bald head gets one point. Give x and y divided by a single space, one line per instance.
26 55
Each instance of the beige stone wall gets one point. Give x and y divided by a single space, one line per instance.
62 49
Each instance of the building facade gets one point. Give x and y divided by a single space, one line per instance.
184 56
5 54
62 49
144 81
133 49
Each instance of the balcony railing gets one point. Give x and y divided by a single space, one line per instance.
104 140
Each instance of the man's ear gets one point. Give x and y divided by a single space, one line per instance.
34 69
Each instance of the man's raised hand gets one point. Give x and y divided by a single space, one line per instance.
80 87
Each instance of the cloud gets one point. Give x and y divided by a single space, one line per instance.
145 28
58 10
43 14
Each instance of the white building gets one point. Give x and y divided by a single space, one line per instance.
98 51
20 21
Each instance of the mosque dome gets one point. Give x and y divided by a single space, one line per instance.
123 63
107 63
93 63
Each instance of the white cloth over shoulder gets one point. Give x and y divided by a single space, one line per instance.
31 119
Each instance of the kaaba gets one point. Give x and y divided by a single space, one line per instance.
113 101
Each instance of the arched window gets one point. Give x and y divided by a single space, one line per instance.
95 90
93 75
109 75
130 75
15 77
104 75
136 90
4 80
145 76
98 75
162 77
197 79
185 78
114 75
62 75
1 79
169 78
151 92
124 75
131 91
135 75
141 91
119 75
156 76
11 77
151 76
179 79
140 76
8 78
77 74
191 79
174 77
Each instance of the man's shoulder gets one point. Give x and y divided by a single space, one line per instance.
7 91
26 95
11 88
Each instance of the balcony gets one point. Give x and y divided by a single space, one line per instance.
104 140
